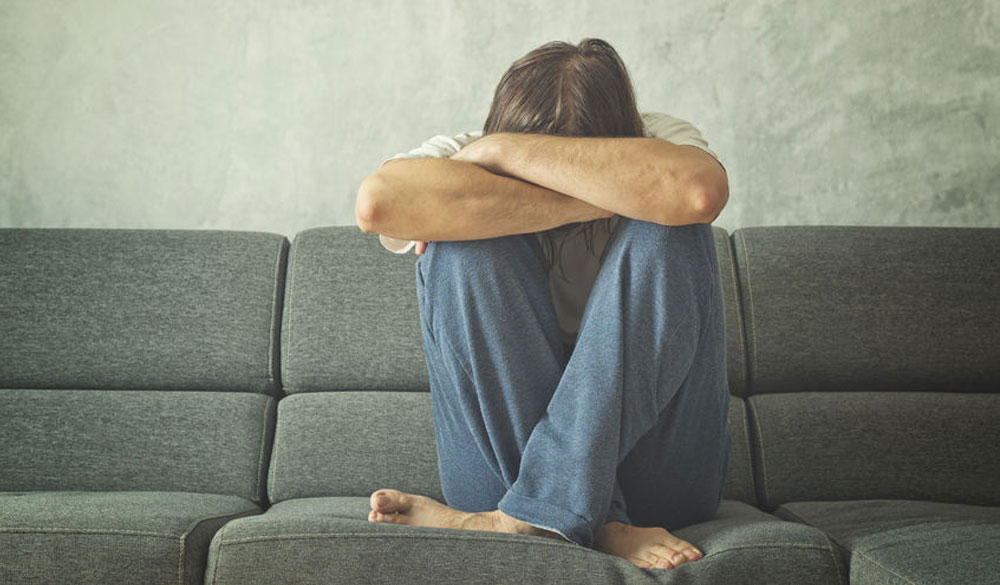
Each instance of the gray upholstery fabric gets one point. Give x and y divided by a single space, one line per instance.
909 543
739 477
120 440
113 537
735 337
888 445
328 540
879 309
351 320
352 443
135 309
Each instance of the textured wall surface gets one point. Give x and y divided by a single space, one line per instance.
267 114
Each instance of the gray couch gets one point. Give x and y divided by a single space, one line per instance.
195 406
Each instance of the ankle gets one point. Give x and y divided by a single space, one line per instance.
511 525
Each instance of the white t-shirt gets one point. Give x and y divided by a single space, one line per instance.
569 293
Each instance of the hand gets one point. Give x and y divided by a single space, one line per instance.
420 247
481 152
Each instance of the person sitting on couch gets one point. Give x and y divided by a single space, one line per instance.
571 312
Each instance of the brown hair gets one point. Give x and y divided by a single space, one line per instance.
567 90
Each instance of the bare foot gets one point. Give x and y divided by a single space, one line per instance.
396 507
647 548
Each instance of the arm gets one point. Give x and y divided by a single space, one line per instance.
643 178
447 199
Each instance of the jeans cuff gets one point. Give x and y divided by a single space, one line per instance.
539 514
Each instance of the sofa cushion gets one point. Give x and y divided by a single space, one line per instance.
140 309
877 445
329 540
351 320
877 309
352 443
119 440
909 542
111 537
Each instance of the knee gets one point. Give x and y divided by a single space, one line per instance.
652 243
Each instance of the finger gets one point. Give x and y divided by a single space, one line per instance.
421 247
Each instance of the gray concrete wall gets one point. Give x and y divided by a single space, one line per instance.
267 114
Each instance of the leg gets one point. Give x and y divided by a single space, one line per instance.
494 357
648 369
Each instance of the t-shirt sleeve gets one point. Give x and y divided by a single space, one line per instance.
675 130
439 146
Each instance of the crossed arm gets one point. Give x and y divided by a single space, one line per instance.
505 184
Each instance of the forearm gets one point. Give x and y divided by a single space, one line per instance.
445 199
642 178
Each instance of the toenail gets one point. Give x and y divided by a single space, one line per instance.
678 558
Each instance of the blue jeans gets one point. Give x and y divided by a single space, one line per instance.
632 426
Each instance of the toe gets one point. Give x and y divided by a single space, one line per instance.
691 553
388 501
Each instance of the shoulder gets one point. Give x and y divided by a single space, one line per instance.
672 129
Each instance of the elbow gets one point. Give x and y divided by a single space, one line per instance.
367 209
708 197
707 204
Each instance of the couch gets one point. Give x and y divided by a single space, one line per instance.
215 407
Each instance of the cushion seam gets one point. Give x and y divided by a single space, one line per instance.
275 327
753 323
881 566
259 489
740 333
758 428
27 530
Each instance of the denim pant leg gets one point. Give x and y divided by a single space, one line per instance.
494 357
642 406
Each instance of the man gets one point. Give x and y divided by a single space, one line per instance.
571 312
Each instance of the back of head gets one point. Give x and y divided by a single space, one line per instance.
566 90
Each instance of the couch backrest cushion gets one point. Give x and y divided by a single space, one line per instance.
351 320
140 309
877 309
352 443
877 445
124 440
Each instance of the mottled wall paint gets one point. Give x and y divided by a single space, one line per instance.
266 115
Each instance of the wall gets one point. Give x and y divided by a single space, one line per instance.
266 115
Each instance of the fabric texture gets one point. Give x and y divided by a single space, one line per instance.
885 445
111 537
118 440
351 320
635 419
874 309
909 543
353 443
140 309
294 542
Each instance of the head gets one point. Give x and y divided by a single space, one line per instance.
567 90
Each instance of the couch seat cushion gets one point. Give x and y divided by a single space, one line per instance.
909 542
110 537
329 540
